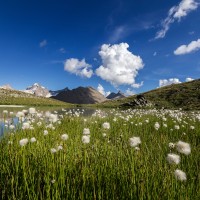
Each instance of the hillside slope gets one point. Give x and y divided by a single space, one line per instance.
14 97
183 95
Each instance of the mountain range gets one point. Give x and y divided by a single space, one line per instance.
80 95
183 95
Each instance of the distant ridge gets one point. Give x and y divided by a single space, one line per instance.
6 87
38 90
81 95
118 95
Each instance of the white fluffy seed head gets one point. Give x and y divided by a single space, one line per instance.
106 125
53 118
23 142
183 147
20 114
86 131
134 141
53 150
60 147
32 140
12 127
31 110
171 145
25 125
104 134
173 158
5 112
156 125
86 139
64 136
46 132
180 175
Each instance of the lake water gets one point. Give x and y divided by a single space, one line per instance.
11 119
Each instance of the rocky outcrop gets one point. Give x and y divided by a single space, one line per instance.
139 101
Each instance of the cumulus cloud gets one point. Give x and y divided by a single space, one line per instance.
185 49
175 14
129 92
119 65
137 85
43 43
165 82
189 79
101 89
80 68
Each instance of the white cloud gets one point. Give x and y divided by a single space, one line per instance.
80 68
119 66
155 53
165 82
102 91
129 92
137 85
175 14
62 50
189 79
43 43
185 49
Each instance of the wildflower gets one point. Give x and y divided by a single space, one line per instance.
180 175
137 148
64 137
183 147
165 125
53 181
173 158
86 139
106 125
53 150
32 140
5 112
60 148
53 118
32 110
20 114
39 123
23 142
177 127
25 125
134 141
157 126
171 145
104 134
86 131
192 127
12 127
46 132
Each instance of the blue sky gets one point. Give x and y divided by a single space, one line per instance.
131 45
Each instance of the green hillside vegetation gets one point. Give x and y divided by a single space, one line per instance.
183 95
14 97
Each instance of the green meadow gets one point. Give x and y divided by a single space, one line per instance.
112 154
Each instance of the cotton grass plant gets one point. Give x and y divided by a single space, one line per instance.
111 155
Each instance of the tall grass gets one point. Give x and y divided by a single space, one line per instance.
106 168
